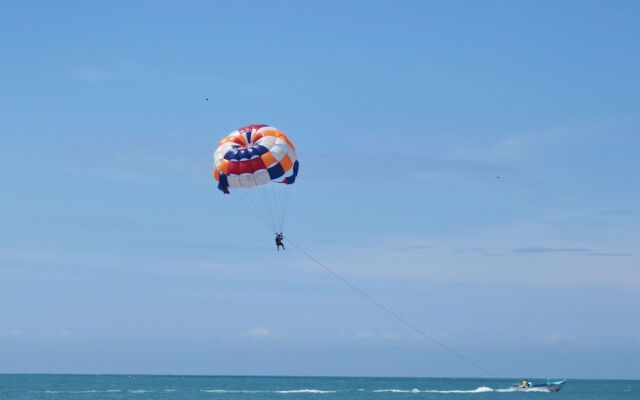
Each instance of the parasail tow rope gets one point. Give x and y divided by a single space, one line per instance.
390 312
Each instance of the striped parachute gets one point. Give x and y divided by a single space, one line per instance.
260 161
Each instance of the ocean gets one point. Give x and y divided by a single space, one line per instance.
141 387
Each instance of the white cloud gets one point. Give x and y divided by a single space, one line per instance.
509 149
92 74
27 333
54 258
391 335
257 332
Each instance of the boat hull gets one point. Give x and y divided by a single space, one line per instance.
554 386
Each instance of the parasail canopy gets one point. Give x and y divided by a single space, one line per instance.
261 162
254 155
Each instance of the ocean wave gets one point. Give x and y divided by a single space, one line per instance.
305 391
481 389
232 391
535 389
314 391
73 391
82 391
98 391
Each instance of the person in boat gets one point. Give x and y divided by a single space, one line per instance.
525 383
279 238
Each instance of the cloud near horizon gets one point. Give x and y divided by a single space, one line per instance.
257 332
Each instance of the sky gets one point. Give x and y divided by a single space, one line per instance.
473 166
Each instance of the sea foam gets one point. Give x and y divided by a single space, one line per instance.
481 389
314 391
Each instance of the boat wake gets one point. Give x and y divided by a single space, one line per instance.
481 389
535 389
292 391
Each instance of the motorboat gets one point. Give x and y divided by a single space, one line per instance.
548 386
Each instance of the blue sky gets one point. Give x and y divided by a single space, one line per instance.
118 254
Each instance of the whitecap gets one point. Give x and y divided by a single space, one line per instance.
304 391
534 389
414 390
481 389
230 391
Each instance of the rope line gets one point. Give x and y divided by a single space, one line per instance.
256 213
254 209
390 312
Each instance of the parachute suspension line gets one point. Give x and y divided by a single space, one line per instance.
266 202
256 204
263 198
272 203
255 212
390 312
240 148
286 194
281 193
253 205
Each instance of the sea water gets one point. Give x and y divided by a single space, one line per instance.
141 387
